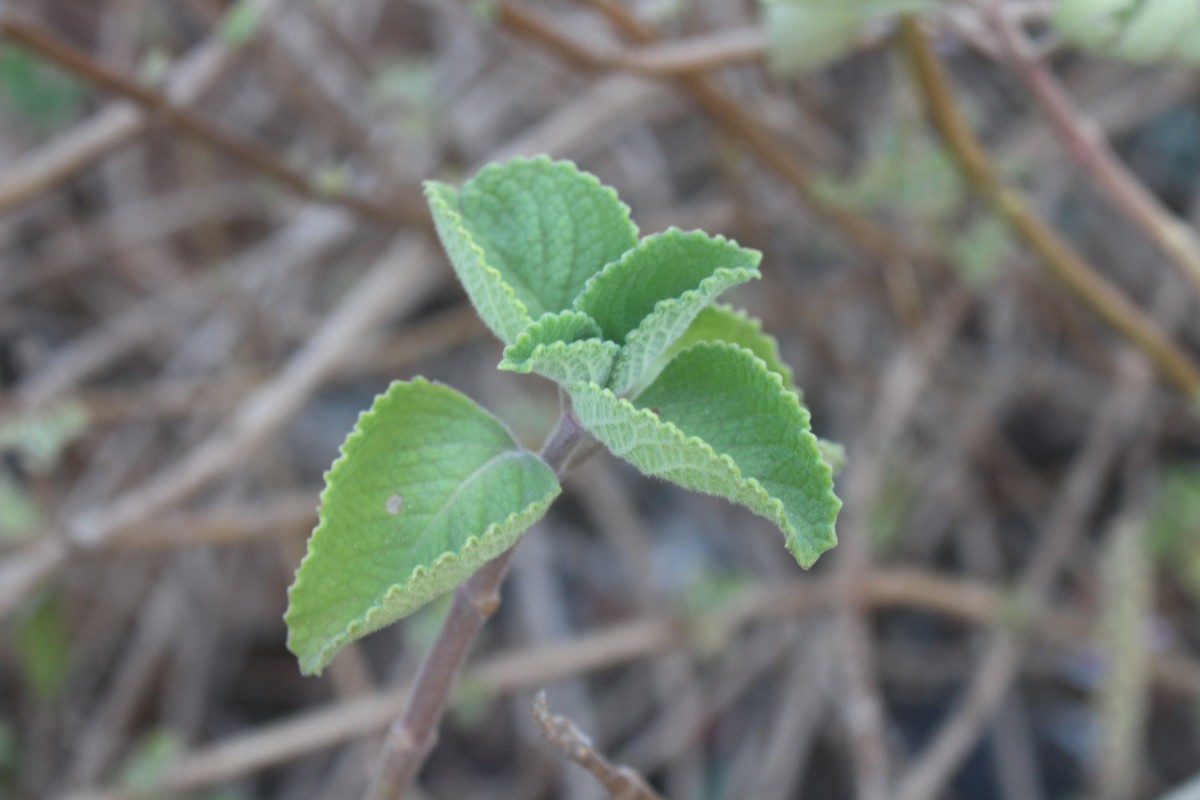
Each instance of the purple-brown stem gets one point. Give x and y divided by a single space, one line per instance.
414 733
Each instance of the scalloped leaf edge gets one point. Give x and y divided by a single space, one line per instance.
775 363
628 373
601 275
404 598
771 508
546 359
508 324
476 551
556 338
574 326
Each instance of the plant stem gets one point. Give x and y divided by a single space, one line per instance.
413 734
1063 260
403 210
730 115
1084 141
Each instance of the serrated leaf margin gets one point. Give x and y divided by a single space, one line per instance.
644 344
751 493
766 340
484 283
415 590
554 338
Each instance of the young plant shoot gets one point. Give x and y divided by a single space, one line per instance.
430 486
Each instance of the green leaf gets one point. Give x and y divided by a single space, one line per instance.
494 299
39 437
147 766
34 90
20 514
1175 526
722 323
428 488
240 23
1142 31
43 645
717 420
563 347
526 235
646 300
805 35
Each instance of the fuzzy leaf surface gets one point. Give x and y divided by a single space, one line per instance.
493 297
646 300
564 347
717 420
525 236
428 488
722 323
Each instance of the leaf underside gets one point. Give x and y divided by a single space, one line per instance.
563 347
718 420
722 323
647 299
428 488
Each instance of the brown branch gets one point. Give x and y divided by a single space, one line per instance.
693 55
968 601
239 149
997 669
899 399
114 126
398 281
724 110
1084 141
1105 299
621 783
412 736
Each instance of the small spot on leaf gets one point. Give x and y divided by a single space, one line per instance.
394 504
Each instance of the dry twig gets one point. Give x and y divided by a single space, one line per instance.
970 602
1063 260
621 783
246 152
1084 141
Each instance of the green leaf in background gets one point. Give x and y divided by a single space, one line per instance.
717 420
1174 527
647 299
805 35
35 91
39 437
564 347
10 748
722 323
43 643
428 488
146 767
1142 31
526 235
20 514
240 23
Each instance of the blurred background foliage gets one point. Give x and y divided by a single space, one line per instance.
197 300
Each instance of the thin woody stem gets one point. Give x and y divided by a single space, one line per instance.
414 733
398 211
1055 252
1085 142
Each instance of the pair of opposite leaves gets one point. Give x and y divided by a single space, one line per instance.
430 486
